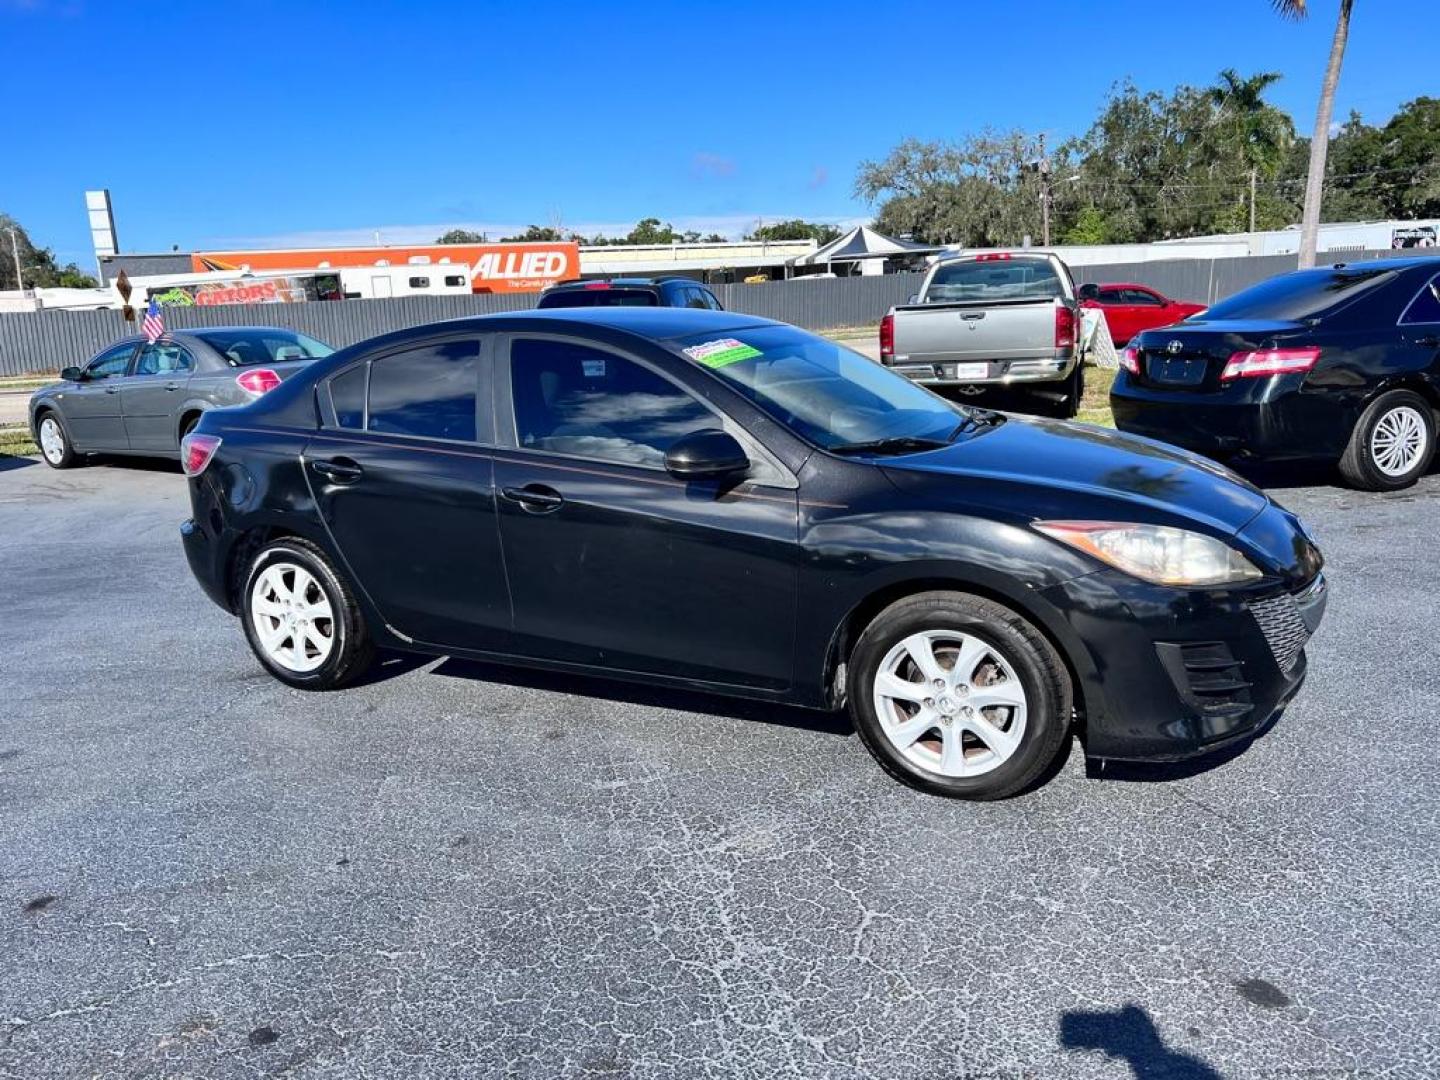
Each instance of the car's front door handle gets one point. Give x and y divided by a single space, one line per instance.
971 316
112 389
172 386
1430 341
536 498
339 470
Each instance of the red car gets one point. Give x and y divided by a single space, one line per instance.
1131 308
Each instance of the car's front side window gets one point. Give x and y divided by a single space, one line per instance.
570 398
113 362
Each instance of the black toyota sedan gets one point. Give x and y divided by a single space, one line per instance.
1339 364
713 501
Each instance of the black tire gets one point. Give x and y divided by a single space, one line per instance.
187 425
1041 672
68 457
352 650
1359 466
1069 407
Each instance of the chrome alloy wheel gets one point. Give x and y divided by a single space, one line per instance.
292 617
1398 441
52 440
950 703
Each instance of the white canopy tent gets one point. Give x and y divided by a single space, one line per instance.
861 245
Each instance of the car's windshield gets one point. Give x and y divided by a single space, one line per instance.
991 279
828 395
1297 296
242 348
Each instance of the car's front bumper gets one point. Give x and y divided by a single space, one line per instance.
1172 674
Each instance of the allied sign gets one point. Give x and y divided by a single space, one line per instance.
494 268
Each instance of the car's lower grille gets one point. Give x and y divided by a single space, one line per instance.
1284 629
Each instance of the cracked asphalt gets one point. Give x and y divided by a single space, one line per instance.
459 871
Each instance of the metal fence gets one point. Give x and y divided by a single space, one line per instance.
50 340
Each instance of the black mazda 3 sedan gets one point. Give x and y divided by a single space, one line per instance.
1337 365
713 501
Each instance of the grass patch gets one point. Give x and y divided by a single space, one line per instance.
16 442
1095 405
27 382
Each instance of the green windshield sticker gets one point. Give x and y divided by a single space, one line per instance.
717 354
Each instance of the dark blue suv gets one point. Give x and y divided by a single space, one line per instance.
630 292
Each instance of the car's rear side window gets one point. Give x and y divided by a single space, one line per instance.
1301 295
995 279
1425 308
347 396
429 391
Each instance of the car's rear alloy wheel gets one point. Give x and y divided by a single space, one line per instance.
960 696
55 445
1392 444
301 618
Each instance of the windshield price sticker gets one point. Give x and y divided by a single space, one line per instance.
716 354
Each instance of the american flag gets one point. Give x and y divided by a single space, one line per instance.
154 325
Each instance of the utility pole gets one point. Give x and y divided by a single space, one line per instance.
1044 195
1252 199
15 251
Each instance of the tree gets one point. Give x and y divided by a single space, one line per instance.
462 236
38 266
794 229
1258 131
535 234
1320 141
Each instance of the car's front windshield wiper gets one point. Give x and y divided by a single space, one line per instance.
896 444
975 418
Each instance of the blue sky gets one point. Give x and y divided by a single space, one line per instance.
280 124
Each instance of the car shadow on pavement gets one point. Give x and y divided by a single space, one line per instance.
137 464
7 462
765 712
1128 1033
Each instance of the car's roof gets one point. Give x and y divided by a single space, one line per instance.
201 331
1126 285
631 282
656 323
1404 262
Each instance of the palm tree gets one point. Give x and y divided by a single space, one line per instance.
1320 142
1262 132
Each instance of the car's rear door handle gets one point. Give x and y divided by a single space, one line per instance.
112 389
536 498
172 386
970 316
339 470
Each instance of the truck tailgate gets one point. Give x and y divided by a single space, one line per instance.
969 331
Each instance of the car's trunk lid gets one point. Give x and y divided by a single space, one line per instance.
1192 356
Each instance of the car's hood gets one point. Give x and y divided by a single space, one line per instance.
1044 469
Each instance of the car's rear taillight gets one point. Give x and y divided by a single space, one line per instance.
196 450
1064 328
1260 362
259 381
887 338
1130 359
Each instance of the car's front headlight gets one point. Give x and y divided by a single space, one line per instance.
1158 553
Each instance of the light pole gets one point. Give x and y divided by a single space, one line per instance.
15 251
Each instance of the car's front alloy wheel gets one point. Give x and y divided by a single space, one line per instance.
958 695
55 445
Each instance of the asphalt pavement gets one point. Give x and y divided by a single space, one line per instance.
463 871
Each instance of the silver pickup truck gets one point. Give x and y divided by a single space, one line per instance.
989 324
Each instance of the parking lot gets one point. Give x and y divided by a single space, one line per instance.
457 870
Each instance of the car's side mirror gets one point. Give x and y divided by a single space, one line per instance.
914 298
72 374
706 455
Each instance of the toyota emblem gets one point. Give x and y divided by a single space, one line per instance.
1174 348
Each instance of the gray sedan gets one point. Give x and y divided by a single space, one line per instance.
139 397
